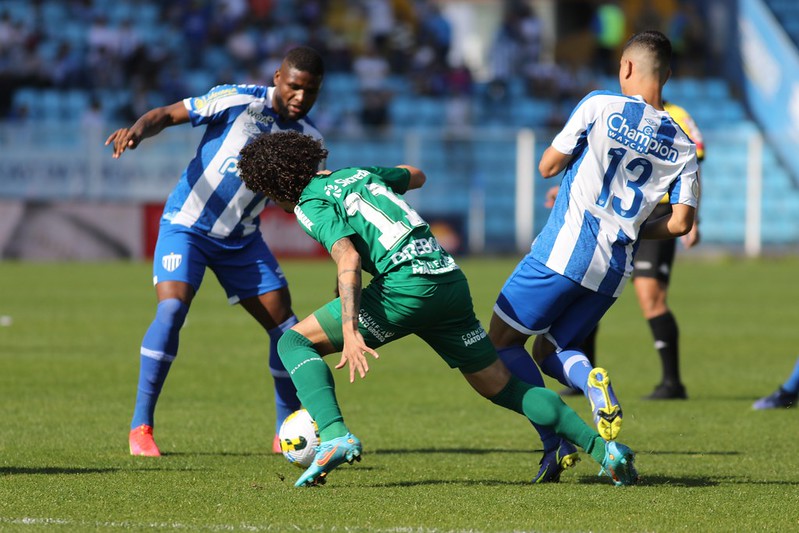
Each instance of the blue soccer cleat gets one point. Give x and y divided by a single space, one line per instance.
329 455
779 399
556 461
604 405
619 464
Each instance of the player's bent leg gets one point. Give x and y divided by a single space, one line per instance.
604 405
300 350
158 350
272 310
286 400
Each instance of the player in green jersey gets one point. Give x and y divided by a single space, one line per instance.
360 216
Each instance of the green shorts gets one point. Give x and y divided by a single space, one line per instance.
441 314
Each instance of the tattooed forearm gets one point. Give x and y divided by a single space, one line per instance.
349 280
350 294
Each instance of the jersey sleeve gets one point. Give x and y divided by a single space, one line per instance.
213 105
321 221
685 189
396 178
576 128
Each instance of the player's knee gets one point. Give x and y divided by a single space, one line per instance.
171 313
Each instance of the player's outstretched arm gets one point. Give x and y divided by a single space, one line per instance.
149 124
418 177
348 261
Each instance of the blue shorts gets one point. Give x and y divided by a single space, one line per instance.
244 267
537 300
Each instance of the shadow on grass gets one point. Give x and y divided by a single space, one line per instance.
219 454
685 452
466 451
462 482
657 481
53 470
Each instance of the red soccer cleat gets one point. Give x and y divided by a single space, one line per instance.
276 445
142 443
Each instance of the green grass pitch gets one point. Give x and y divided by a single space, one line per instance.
437 457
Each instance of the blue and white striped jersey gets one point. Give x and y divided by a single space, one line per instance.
626 156
210 197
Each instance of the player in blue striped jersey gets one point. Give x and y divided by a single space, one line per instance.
621 154
211 220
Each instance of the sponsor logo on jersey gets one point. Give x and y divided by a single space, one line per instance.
415 248
303 218
333 190
373 327
229 165
171 262
474 336
260 117
643 141
358 176
221 93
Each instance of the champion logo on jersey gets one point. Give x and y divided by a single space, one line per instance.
333 190
171 262
643 141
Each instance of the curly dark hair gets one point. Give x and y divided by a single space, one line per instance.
279 165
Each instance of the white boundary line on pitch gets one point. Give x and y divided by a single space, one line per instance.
29 521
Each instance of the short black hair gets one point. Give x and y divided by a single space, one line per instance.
306 59
279 165
657 45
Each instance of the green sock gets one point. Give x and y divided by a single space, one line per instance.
316 388
597 450
543 406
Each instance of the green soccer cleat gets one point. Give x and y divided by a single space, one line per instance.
556 461
329 455
604 405
619 464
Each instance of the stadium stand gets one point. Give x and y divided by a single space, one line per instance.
180 50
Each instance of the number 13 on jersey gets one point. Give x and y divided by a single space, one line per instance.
639 168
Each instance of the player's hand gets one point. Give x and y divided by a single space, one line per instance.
691 238
122 139
552 193
354 353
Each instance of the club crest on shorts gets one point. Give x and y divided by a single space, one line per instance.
171 262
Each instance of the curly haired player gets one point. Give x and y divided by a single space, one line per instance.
360 216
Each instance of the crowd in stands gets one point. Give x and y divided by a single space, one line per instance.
131 56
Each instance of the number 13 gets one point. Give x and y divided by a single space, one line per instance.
616 155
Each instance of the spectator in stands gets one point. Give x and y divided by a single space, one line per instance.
210 220
609 27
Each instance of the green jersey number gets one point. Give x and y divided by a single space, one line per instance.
391 231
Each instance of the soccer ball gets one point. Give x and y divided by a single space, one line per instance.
299 438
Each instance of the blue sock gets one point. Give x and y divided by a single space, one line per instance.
792 385
523 367
158 349
570 367
286 401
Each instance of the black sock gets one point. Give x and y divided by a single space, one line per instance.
666 335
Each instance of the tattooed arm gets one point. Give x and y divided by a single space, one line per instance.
348 262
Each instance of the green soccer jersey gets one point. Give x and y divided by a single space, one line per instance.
366 205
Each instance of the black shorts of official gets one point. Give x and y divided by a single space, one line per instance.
655 258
